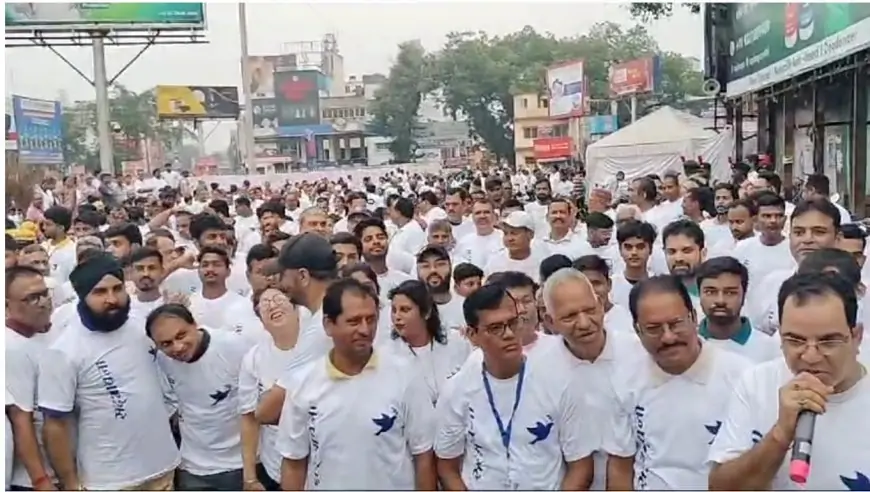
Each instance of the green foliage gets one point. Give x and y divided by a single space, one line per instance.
134 117
475 76
394 110
655 11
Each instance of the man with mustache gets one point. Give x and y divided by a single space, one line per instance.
561 238
106 426
434 269
684 251
768 251
146 268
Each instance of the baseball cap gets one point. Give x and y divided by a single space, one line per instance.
519 219
432 250
309 251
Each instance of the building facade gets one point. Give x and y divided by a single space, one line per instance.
538 139
805 76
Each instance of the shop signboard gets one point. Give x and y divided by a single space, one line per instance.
298 97
552 148
772 42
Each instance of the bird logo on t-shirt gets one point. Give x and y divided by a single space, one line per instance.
713 430
385 422
220 395
860 482
153 352
541 430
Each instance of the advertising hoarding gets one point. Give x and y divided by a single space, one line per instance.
602 124
40 130
552 148
262 73
197 102
772 42
298 97
55 16
567 85
634 77
265 117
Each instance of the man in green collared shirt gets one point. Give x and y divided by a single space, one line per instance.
721 284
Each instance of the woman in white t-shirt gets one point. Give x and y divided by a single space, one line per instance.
418 336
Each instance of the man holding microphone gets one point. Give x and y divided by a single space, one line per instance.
819 382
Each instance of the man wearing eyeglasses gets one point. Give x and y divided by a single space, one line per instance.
820 373
28 313
505 423
667 407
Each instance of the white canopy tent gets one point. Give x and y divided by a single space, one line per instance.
658 143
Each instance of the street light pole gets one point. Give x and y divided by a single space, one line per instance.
248 120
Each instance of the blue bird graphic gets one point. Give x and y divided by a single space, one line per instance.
384 423
713 430
540 431
153 352
220 395
860 482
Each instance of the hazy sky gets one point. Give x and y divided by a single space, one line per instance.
367 35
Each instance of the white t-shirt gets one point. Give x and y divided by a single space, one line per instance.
312 344
761 308
410 239
619 320
229 312
714 232
182 281
752 344
22 370
841 456
761 260
573 246
143 309
367 445
476 249
261 367
550 426
648 402
451 314
436 361
464 228
435 213
10 445
531 265
207 395
112 381
592 379
61 260
389 280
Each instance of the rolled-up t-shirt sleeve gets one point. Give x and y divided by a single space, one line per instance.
56 383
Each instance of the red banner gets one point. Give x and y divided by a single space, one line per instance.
633 77
552 147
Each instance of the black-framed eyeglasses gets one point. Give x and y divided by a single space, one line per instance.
34 298
499 329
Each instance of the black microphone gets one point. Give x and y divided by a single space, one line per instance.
802 449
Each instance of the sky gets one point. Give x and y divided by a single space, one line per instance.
367 33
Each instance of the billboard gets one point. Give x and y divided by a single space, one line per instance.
634 77
262 73
567 85
197 102
552 148
25 17
265 117
602 124
772 42
40 130
298 97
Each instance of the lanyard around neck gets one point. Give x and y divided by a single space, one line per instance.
504 431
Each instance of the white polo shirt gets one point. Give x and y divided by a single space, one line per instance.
112 381
549 427
358 432
841 456
668 422
592 380
476 249
531 265
436 361
229 312
207 394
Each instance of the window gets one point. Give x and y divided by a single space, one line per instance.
543 102
530 132
525 103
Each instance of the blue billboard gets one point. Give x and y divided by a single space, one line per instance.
40 130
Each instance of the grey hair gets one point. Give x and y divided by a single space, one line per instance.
563 276
313 210
440 225
630 208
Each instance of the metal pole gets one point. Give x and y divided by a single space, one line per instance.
104 132
248 120
633 109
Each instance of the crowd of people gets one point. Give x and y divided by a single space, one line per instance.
465 331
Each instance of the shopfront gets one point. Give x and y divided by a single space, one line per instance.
552 151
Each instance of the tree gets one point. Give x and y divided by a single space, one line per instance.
133 117
655 11
394 110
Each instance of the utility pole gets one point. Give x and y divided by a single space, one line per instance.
248 120
104 130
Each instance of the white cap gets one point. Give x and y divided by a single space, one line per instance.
519 219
